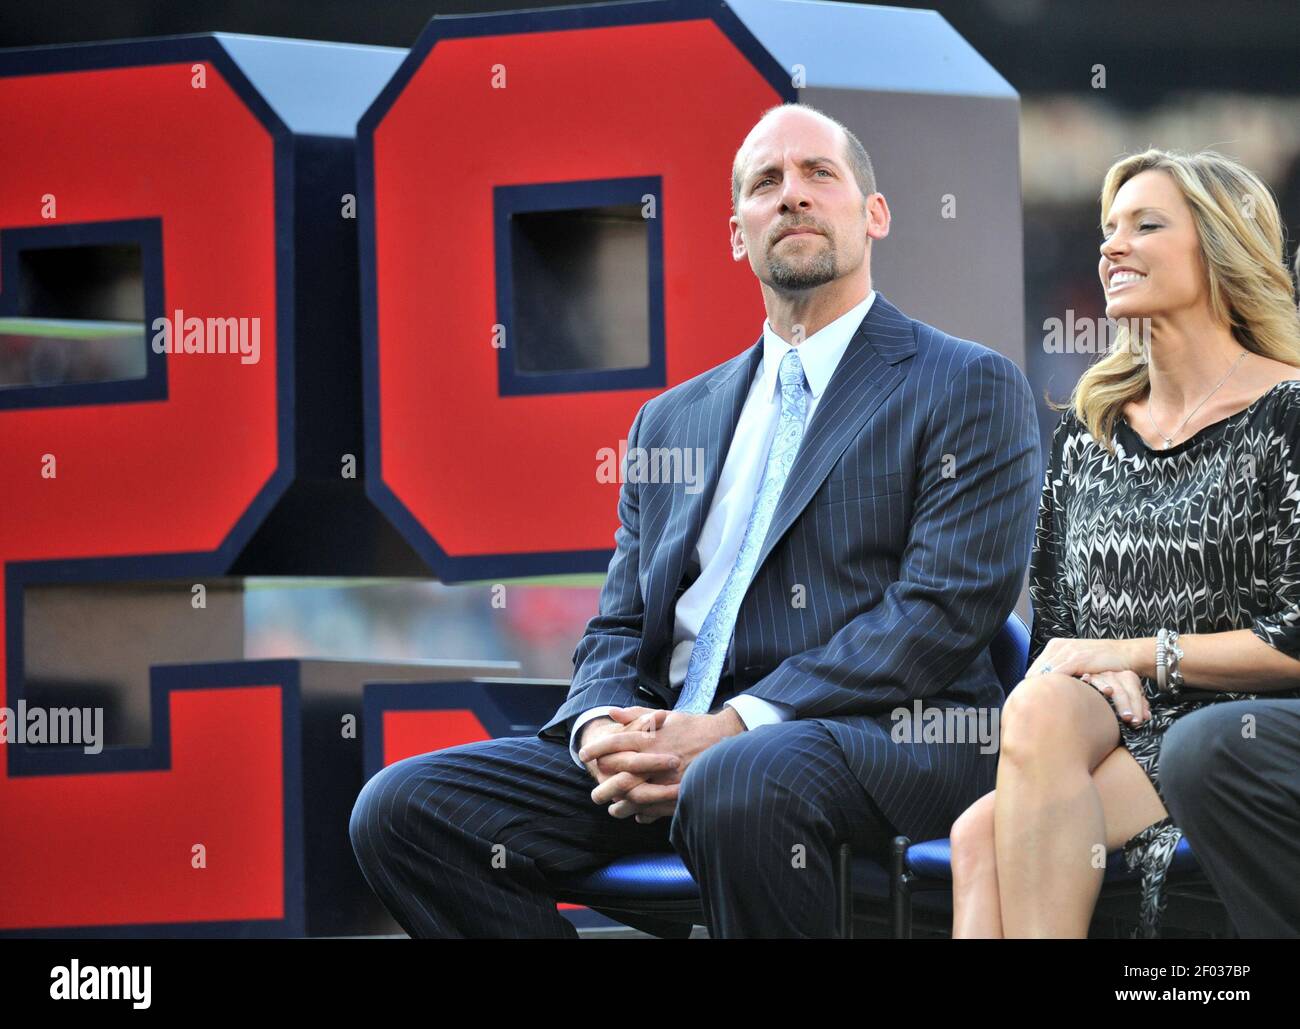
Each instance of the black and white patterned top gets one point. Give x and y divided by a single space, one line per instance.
1201 538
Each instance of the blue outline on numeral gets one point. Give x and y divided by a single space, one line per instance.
146 233
508 201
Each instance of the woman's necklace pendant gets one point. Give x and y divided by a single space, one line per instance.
1151 418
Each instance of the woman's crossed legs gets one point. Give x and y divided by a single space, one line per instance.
1028 858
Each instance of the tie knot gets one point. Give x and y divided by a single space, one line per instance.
791 371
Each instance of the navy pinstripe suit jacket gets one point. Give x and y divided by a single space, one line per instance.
908 518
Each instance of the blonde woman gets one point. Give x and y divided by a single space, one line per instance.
1168 533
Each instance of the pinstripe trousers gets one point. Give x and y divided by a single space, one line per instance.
460 842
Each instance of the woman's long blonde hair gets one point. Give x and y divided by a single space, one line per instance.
1242 250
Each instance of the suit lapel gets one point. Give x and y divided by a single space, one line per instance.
706 422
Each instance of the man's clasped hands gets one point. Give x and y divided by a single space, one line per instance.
638 755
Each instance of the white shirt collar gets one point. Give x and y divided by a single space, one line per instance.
820 353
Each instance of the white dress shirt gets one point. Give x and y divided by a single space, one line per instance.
733 500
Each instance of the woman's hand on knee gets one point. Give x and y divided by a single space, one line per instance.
1125 689
1075 656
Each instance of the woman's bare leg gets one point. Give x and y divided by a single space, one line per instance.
976 905
1054 820
1128 799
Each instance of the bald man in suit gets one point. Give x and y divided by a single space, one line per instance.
868 509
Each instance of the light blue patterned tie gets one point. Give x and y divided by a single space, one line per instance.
711 644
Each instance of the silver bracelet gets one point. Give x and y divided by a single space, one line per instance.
1169 678
1174 654
1161 681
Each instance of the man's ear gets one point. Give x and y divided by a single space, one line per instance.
739 246
878 226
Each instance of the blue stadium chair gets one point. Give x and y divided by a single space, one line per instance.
926 867
655 893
